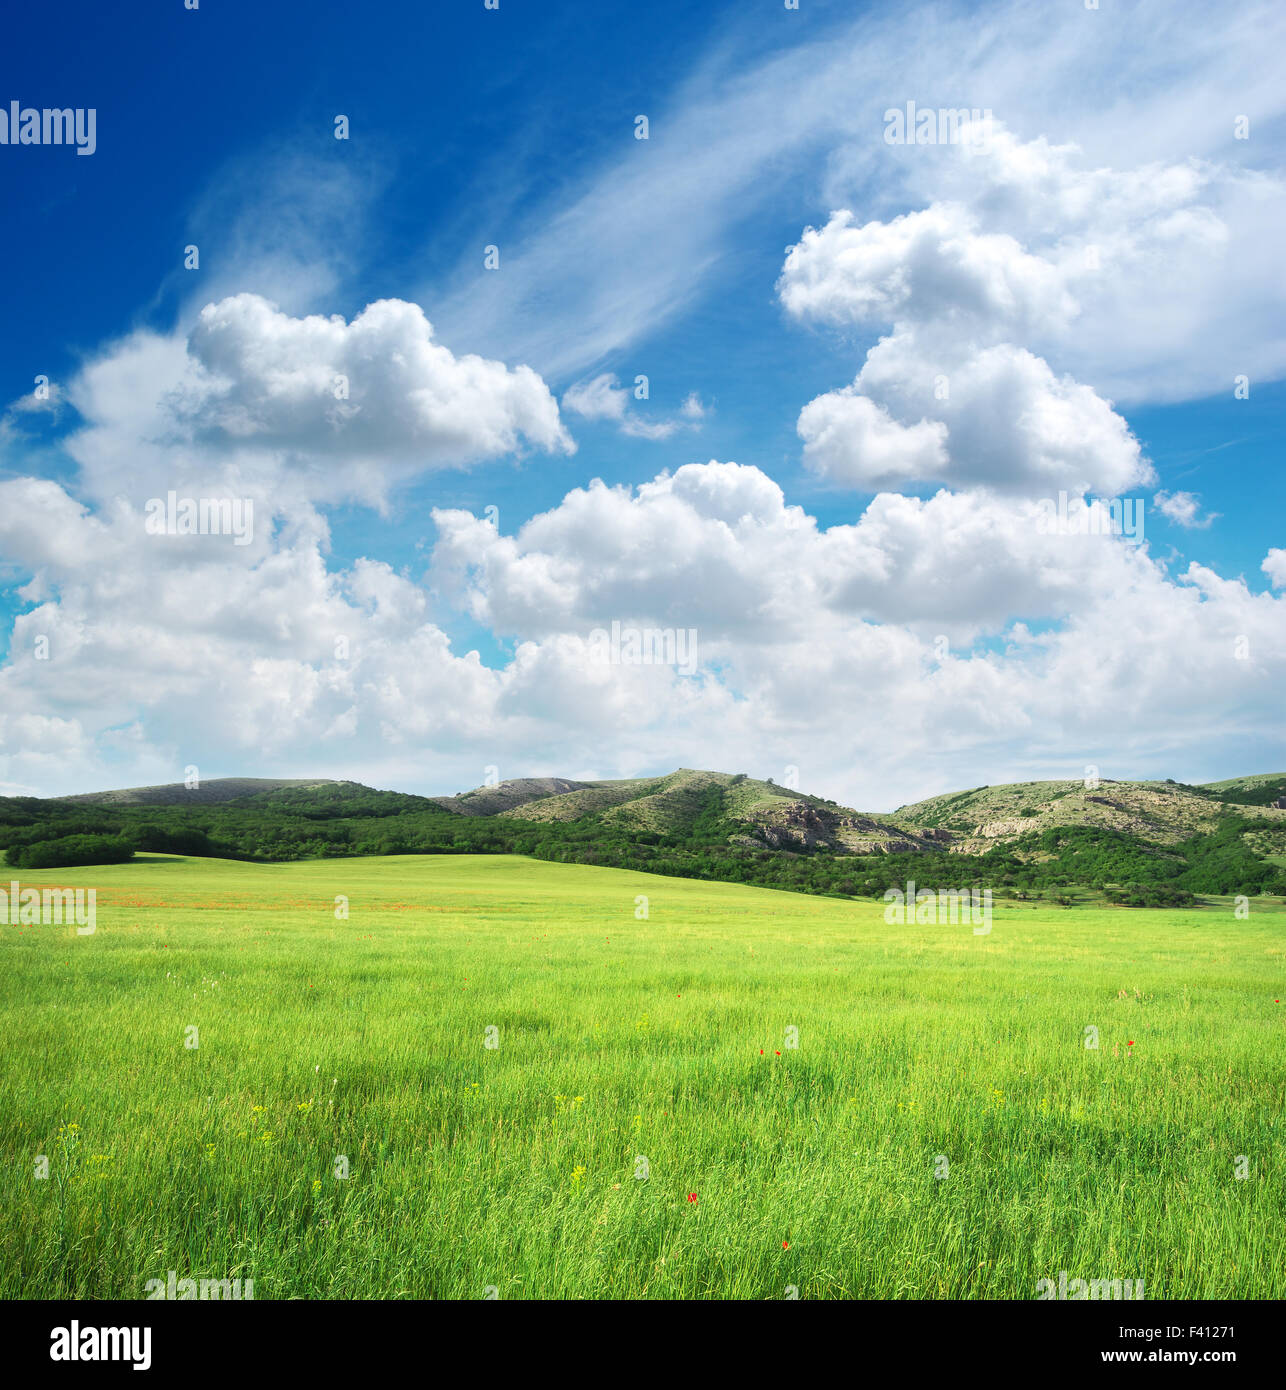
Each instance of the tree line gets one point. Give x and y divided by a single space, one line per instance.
338 822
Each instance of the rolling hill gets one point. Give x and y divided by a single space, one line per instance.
1158 813
1226 837
761 814
752 814
764 814
211 793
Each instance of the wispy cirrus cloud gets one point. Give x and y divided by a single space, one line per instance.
604 398
647 234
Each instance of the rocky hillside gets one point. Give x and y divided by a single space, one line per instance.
1157 843
691 806
753 814
507 797
1159 813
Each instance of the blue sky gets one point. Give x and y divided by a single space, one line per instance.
666 257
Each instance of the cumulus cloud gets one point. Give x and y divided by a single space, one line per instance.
744 130
958 620
255 397
379 385
1009 301
850 439
1030 285
717 546
1004 420
933 266
1145 280
1184 509
1168 264
211 655
886 658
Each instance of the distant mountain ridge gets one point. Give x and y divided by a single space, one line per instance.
672 805
212 793
766 815
1151 844
1159 813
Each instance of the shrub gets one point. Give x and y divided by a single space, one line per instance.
70 850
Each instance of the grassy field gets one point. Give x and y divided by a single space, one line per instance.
621 1039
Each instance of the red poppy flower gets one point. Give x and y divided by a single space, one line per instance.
785 1245
692 1196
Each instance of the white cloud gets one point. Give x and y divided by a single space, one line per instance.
601 398
1035 272
933 266
820 648
925 407
650 429
284 221
256 400
1019 294
30 403
604 398
1184 509
716 546
647 233
266 377
850 439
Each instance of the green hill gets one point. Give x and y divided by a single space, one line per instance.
1158 813
1144 842
688 801
1262 790
212 793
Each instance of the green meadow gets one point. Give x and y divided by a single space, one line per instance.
642 1127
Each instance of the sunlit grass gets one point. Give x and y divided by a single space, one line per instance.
629 1046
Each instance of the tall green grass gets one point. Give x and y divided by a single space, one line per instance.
623 1039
